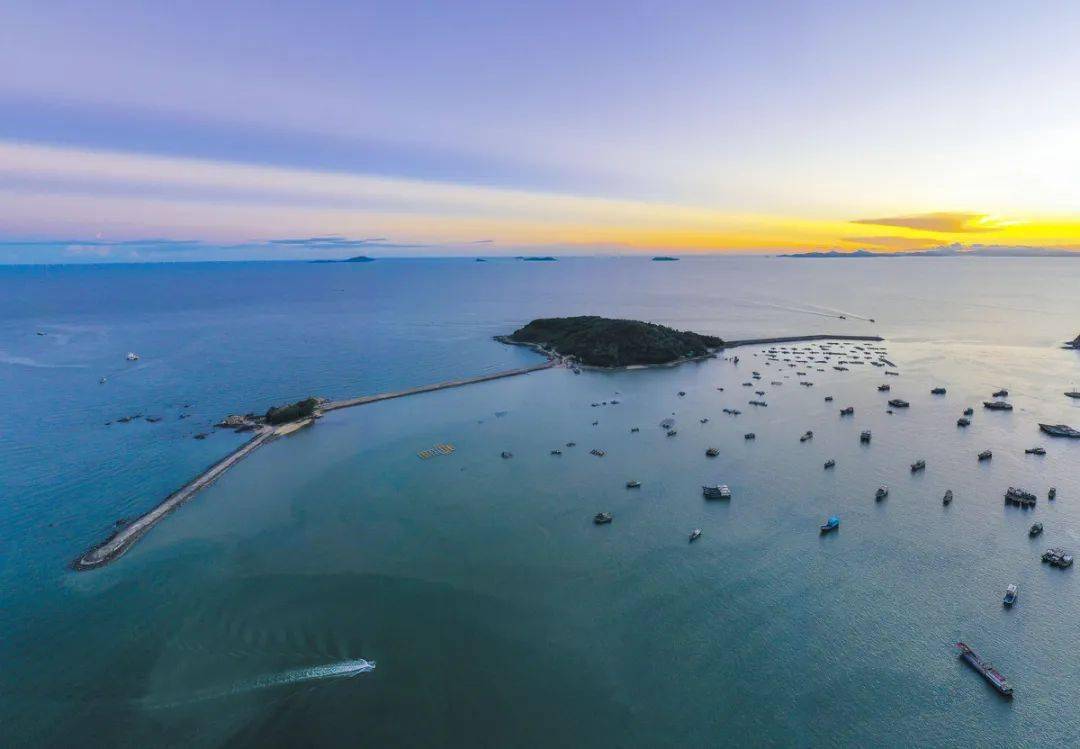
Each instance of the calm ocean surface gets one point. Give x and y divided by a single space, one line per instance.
496 612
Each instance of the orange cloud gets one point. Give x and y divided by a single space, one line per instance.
946 221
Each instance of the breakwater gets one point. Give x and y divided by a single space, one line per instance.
799 339
127 536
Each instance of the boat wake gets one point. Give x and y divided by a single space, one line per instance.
341 669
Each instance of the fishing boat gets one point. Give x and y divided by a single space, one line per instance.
1035 529
601 518
132 356
1011 592
1003 393
985 455
556 452
830 463
899 403
671 433
506 455
1035 451
828 399
807 435
881 493
1052 494
997 405
969 411
1057 558
712 452
720 491
831 524
695 534
947 499
749 436
847 411
963 421
937 391
1060 430
1073 394
918 465
1020 497
865 436
704 419
991 674
883 388
635 429
633 484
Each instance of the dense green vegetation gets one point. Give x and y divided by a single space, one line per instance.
292 412
604 342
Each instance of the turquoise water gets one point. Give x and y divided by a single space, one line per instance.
496 612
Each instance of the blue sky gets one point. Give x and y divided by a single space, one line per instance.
597 126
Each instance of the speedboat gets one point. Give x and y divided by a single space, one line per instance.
881 493
695 534
831 524
1011 593
132 356
633 484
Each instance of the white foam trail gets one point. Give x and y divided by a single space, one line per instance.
348 668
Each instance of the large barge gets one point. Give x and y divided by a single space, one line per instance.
991 674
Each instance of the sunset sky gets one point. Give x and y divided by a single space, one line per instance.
133 131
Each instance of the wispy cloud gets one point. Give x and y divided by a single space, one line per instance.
953 222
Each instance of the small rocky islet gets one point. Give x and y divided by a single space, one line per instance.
607 342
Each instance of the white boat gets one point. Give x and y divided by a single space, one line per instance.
721 491
132 356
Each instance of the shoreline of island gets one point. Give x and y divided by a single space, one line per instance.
125 537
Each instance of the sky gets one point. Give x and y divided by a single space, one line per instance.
240 130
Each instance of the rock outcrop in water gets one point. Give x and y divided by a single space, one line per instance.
605 342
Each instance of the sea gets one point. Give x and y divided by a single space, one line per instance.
336 589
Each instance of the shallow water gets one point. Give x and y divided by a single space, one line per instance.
497 612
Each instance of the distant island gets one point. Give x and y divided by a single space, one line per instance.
952 250
357 259
606 342
664 259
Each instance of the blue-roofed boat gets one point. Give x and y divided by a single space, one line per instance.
831 524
